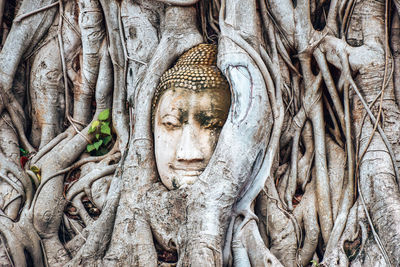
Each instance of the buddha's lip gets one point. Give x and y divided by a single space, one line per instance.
188 169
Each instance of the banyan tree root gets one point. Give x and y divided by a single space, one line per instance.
15 186
313 111
46 219
46 82
249 249
32 29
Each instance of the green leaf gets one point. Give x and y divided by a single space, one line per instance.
94 126
98 144
97 136
23 151
107 139
104 114
90 147
105 129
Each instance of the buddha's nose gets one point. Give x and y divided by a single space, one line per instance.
189 148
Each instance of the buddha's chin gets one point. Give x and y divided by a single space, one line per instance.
180 181
188 180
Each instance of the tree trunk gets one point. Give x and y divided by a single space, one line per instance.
304 171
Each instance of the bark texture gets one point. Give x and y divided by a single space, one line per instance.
306 169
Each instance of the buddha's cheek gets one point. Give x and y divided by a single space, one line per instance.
165 144
208 140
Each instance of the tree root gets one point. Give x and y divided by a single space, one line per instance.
288 231
21 17
120 114
247 241
84 215
25 188
306 215
84 183
48 147
17 242
257 183
179 2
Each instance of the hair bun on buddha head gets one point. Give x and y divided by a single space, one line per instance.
196 69
202 54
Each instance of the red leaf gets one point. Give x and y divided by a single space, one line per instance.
23 160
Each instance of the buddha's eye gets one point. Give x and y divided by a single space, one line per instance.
170 122
213 124
209 121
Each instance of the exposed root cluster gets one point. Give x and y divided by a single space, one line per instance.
306 166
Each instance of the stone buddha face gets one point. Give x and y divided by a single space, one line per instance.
190 107
187 125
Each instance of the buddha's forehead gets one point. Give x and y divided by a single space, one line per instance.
182 99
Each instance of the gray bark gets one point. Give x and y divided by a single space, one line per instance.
305 170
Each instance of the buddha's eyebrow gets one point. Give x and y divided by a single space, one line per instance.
213 113
171 111
204 117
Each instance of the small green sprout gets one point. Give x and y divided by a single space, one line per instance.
101 129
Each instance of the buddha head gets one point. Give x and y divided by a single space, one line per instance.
190 107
